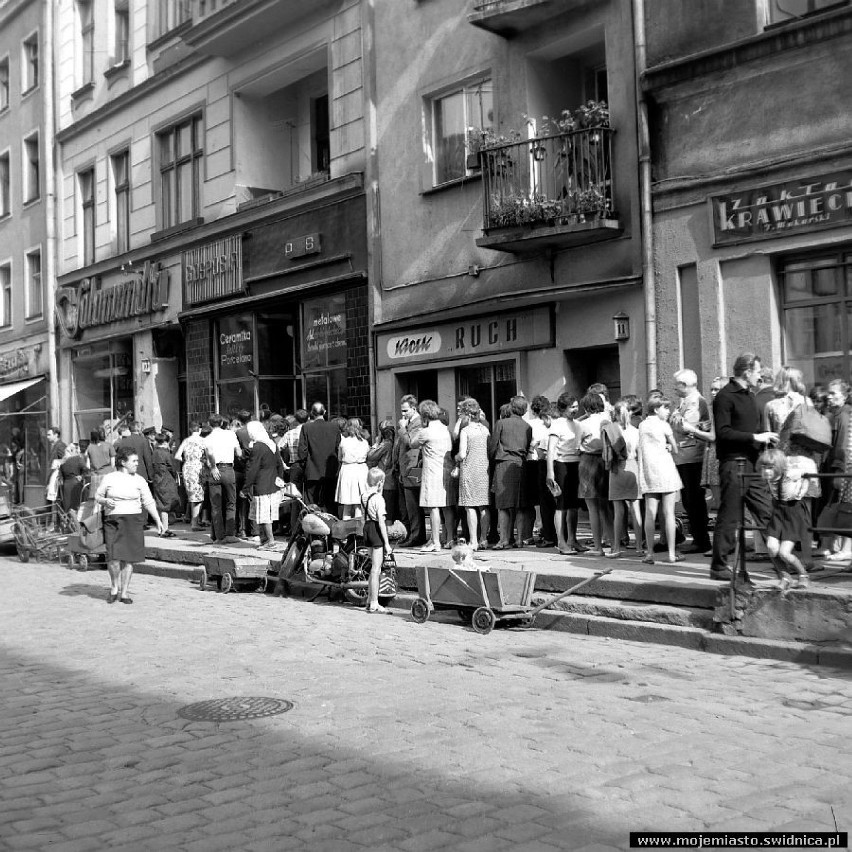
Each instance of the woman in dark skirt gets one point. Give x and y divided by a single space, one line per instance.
164 484
124 494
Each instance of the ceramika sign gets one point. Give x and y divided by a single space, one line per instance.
773 211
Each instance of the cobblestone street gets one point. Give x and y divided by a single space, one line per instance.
402 736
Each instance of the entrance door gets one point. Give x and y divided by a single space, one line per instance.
423 384
595 364
491 385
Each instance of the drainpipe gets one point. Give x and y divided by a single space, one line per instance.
49 278
647 218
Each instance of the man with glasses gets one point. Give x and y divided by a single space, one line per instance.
737 423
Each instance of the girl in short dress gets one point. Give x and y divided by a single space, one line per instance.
624 479
659 481
789 524
375 534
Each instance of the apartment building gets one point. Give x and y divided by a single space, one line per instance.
213 250
26 366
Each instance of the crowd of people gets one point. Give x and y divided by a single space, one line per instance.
523 480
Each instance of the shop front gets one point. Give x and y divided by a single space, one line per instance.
276 316
119 350
24 395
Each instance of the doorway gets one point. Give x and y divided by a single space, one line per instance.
593 364
422 384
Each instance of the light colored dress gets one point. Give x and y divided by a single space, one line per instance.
192 453
624 473
657 469
352 479
473 468
436 446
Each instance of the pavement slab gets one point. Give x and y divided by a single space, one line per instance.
402 736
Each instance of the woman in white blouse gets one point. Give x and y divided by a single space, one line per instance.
124 494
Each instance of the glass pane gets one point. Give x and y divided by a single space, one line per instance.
119 165
813 342
480 105
235 347
449 138
276 338
184 140
168 199
123 220
476 382
166 151
316 389
235 396
91 383
185 192
811 281
324 332
339 396
279 394
122 363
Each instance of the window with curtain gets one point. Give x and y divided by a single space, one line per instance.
453 113
181 156
121 182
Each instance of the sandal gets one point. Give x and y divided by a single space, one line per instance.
126 600
378 608
431 548
568 551
613 554
678 558
501 546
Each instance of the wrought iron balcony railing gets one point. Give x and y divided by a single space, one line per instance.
565 179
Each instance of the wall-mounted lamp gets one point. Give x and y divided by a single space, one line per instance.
127 267
621 326
145 363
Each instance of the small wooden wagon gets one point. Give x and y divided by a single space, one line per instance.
481 598
229 572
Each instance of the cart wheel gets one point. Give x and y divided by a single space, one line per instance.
23 554
466 615
69 558
202 580
227 583
483 620
83 562
420 610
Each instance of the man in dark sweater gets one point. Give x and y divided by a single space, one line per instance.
738 436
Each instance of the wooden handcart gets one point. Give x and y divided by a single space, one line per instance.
43 534
232 572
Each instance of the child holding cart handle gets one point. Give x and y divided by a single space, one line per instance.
375 534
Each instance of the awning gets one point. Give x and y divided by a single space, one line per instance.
16 387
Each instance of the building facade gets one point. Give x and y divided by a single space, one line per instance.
753 184
503 266
213 242
26 249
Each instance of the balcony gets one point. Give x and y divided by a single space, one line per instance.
510 17
227 27
550 192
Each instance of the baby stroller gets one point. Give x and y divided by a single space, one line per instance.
87 550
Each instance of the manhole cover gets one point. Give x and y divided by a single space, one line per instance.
234 709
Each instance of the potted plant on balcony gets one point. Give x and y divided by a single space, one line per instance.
592 202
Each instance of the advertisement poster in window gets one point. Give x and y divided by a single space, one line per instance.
324 333
235 347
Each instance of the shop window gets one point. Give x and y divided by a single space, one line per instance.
29 63
121 48
784 11
452 113
6 295
86 42
491 385
817 300
34 289
4 83
5 194
86 182
32 170
23 445
103 386
181 158
121 189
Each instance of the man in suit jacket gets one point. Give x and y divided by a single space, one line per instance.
317 456
142 447
408 463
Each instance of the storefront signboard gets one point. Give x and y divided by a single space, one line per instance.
17 363
301 246
213 271
87 304
235 347
325 332
779 209
487 335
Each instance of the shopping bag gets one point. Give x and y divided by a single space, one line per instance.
387 579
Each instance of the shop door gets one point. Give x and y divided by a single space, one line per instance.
596 364
491 385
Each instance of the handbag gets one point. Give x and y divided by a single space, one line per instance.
809 428
414 476
91 526
388 586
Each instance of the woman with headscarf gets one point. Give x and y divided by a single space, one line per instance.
264 467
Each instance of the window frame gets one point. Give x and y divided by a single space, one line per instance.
28 282
27 195
6 190
466 86
86 43
121 32
121 198
169 214
30 63
770 24
6 290
5 86
88 216
171 14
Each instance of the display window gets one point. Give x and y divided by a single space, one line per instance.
23 440
103 390
816 294
491 385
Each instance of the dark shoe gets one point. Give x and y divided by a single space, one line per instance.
721 574
231 539
167 534
112 597
126 600
545 543
196 528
